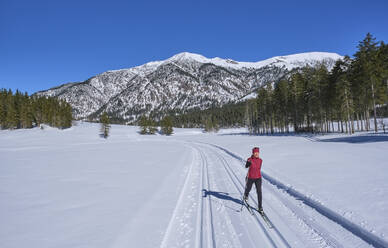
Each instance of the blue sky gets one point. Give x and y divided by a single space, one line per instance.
47 43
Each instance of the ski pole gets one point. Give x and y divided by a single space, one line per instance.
242 196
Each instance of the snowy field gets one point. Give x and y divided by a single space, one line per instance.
71 188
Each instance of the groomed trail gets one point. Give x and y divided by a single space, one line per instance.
70 188
208 212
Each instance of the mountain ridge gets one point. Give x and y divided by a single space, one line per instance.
183 81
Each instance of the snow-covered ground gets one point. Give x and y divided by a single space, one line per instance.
71 188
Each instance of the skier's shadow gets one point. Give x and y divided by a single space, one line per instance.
221 195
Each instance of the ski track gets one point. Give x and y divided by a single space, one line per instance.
288 196
275 238
277 234
207 209
192 208
178 206
259 225
201 219
199 223
208 229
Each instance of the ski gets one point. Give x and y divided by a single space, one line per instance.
263 215
248 207
244 203
266 219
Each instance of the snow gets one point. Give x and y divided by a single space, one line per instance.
251 95
141 69
289 61
71 188
149 87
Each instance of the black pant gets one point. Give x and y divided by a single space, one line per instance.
248 188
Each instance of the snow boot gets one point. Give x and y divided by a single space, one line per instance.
245 199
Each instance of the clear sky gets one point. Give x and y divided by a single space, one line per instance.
46 43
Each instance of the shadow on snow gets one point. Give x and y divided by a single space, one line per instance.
367 138
358 139
221 195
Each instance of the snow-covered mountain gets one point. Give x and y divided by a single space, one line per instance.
184 81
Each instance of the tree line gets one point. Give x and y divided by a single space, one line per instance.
211 119
18 110
312 98
149 126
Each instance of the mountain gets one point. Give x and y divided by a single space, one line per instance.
184 81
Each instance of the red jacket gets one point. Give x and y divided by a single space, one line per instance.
254 165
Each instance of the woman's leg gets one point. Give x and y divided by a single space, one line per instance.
248 187
259 194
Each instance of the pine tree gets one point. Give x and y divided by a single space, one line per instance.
147 125
166 125
247 117
143 123
216 126
344 95
281 101
152 128
365 60
67 117
11 117
25 112
105 126
208 124
295 92
3 109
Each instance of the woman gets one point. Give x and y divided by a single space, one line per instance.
254 176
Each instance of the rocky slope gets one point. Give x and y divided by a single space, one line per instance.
181 82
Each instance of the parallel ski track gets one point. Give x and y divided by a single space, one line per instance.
234 241
206 206
319 230
204 230
269 183
182 193
275 238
